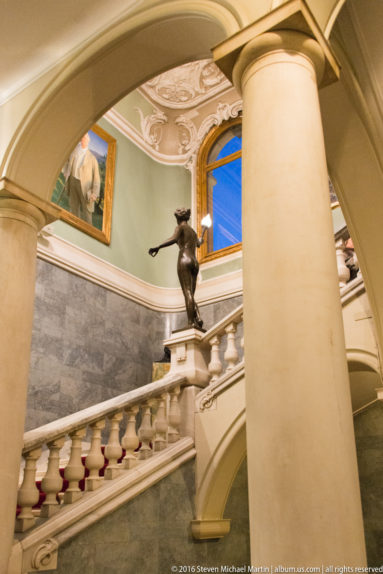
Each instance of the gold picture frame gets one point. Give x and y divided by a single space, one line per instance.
84 188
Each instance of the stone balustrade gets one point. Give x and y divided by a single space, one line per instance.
148 418
156 427
347 261
226 348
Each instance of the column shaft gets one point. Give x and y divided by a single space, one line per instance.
303 483
19 223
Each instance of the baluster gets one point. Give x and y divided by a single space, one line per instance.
130 439
52 482
174 417
113 450
231 353
343 270
74 470
146 431
28 494
160 424
95 459
215 365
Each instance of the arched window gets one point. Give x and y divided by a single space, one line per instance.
219 169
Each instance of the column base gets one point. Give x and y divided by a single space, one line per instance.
93 483
49 510
129 462
72 496
145 453
23 524
159 445
112 472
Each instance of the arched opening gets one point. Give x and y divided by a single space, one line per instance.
223 466
363 369
96 79
353 140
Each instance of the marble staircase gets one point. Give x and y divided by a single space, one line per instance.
156 422
197 410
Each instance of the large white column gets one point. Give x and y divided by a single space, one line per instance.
19 224
303 483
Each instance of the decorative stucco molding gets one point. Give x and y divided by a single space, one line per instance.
125 128
45 555
209 401
152 127
187 134
186 86
223 113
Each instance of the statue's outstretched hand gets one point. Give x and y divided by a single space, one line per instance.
153 251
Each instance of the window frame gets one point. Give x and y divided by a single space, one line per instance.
203 168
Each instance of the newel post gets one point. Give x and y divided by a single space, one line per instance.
188 356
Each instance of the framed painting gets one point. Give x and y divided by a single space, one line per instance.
84 188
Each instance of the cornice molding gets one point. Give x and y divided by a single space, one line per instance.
123 126
189 137
65 255
68 256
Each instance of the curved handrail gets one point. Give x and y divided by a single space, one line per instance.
234 317
60 427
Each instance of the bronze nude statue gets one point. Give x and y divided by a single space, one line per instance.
187 265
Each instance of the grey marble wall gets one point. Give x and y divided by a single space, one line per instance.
369 443
90 344
152 533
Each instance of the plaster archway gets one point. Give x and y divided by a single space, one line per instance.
364 373
223 466
88 85
353 140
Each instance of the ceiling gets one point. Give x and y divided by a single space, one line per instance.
169 115
36 34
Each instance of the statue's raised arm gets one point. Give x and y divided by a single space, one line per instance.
187 265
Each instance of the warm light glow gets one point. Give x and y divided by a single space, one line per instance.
206 221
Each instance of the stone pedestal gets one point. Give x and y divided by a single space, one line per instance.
188 357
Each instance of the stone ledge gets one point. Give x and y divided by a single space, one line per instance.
209 529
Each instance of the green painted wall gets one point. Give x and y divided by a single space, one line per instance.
146 193
221 269
127 107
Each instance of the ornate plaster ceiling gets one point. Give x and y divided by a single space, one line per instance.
187 86
184 103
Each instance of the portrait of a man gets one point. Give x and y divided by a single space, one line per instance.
84 188
82 180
